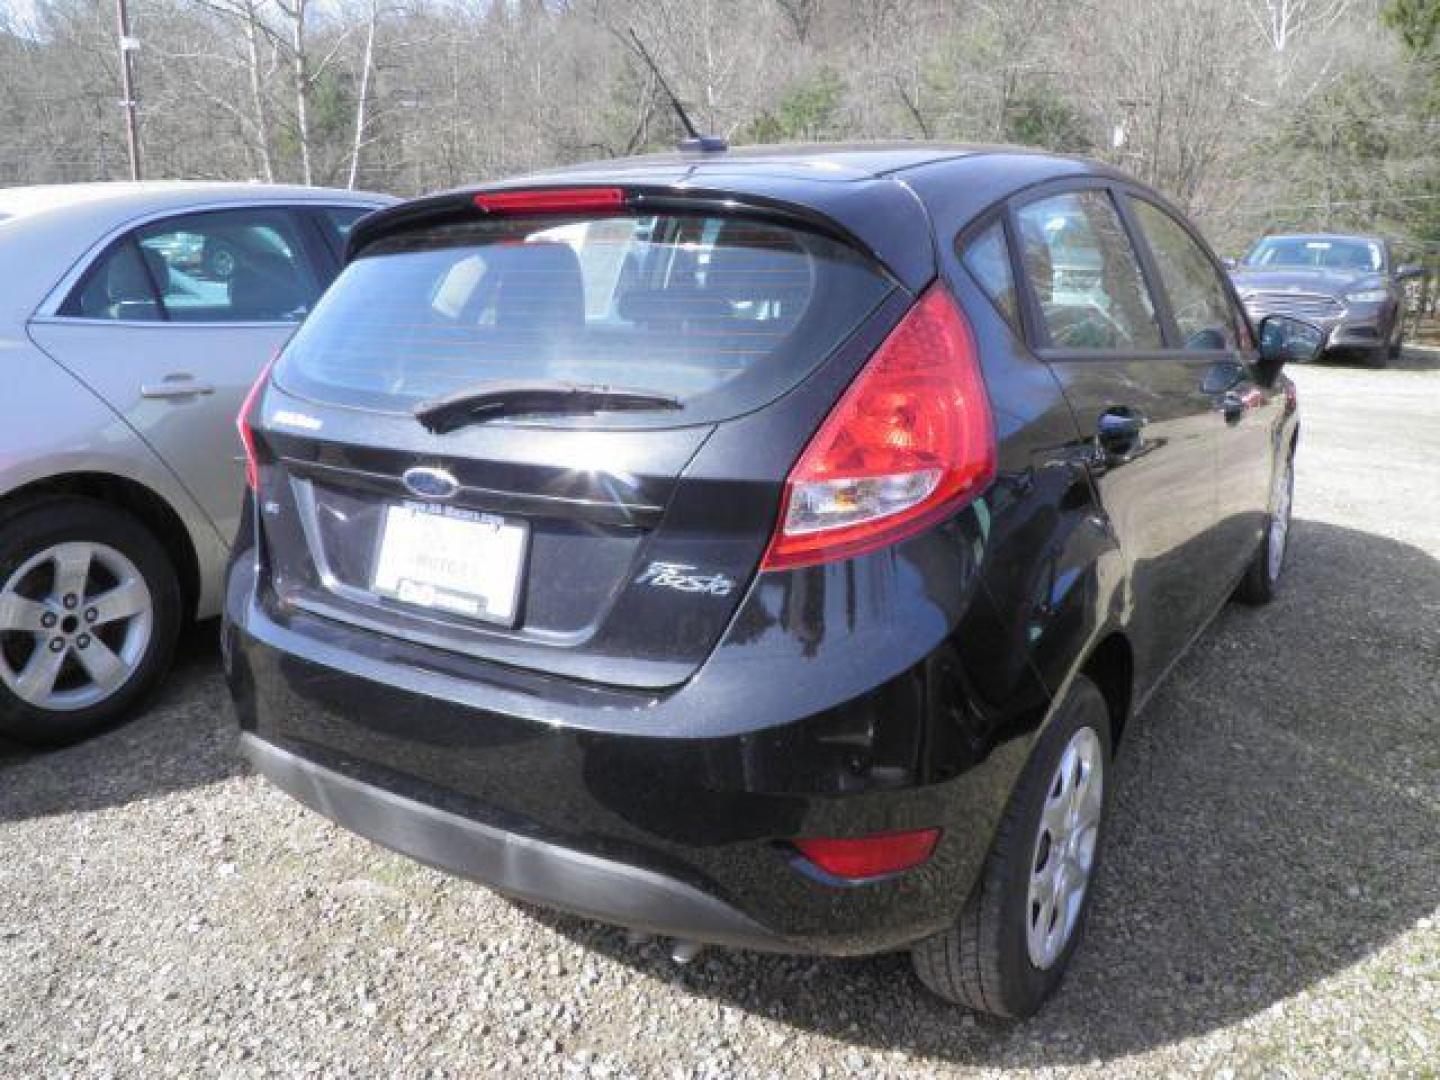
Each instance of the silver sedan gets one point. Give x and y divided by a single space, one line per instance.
133 319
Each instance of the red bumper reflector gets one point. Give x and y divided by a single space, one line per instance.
870 856
552 201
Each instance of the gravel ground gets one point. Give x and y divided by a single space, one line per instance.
1269 906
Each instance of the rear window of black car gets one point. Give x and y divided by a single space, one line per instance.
723 313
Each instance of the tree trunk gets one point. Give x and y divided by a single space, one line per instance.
366 66
257 94
300 69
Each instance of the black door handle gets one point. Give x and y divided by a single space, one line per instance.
1118 431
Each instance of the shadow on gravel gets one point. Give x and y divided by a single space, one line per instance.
1275 821
183 738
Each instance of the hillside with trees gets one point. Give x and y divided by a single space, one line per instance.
1252 114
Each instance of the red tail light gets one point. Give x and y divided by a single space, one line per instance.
870 856
552 201
909 441
242 424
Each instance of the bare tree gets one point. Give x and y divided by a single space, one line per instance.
1230 106
723 76
367 65
1281 21
297 14
246 14
800 15
1173 96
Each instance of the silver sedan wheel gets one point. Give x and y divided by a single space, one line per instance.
75 621
1280 501
1064 852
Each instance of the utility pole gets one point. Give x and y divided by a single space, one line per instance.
128 45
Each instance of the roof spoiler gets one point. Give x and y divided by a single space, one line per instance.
470 205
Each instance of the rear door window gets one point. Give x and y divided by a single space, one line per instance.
337 223
230 266
1085 274
343 218
119 286
723 313
1198 298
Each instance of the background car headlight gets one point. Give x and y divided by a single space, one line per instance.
1368 296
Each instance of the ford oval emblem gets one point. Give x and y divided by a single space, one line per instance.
430 483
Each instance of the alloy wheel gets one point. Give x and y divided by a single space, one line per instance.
1065 844
75 621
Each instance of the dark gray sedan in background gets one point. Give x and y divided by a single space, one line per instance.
1352 287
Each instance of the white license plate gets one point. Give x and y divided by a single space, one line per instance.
451 560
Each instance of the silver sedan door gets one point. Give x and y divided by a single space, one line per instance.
172 324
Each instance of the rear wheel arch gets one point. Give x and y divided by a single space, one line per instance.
142 503
1110 665
984 960
1285 449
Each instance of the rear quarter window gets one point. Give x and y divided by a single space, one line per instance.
723 313
987 256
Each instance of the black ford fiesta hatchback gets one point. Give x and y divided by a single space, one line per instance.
758 547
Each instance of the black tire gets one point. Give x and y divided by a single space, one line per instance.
1377 358
1261 582
29 530
983 961
1397 347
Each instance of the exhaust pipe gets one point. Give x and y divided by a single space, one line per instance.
683 950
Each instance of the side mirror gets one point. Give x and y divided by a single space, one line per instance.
1284 340
1408 271
1230 262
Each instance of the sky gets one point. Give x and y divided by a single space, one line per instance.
16 13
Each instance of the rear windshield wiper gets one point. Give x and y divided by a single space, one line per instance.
491 401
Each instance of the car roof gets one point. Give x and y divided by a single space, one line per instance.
853 162
160 195
882 195
833 162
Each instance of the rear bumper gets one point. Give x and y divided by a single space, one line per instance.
668 813
509 862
